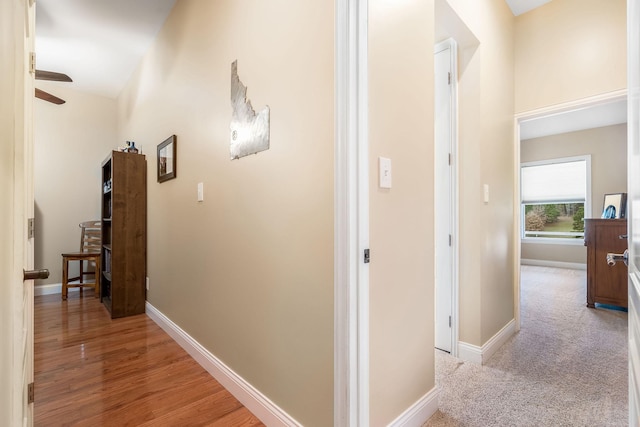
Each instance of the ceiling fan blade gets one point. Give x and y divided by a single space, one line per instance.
48 97
50 75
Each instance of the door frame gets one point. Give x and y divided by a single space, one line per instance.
451 44
351 216
592 101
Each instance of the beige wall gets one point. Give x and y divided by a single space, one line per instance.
401 109
568 50
248 272
486 157
608 149
71 141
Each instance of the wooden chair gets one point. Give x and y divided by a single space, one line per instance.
90 249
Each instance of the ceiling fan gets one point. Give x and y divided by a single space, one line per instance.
53 76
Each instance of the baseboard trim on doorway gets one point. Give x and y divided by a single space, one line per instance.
256 402
51 289
555 264
418 413
480 355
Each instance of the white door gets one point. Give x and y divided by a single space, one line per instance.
444 193
16 206
27 233
633 189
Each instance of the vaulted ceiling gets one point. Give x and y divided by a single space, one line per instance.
99 43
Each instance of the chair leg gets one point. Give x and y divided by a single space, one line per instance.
65 277
97 277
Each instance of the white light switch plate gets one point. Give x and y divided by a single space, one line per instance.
200 191
385 172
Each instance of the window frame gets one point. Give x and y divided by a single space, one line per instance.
587 202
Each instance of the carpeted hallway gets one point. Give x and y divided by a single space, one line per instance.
566 367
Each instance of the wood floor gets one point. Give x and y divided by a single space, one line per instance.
91 370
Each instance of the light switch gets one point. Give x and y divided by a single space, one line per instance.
385 172
486 193
200 191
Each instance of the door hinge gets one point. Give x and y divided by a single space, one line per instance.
31 228
32 62
449 78
450 239
449 321
449 159
367 257
30 393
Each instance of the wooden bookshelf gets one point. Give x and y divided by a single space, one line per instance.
124 233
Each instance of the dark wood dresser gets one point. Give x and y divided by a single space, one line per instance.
605 284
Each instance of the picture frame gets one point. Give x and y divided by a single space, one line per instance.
167 151
614 206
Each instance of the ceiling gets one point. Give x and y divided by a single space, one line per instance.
98 43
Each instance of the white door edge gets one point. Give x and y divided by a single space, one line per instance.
351 224
450 43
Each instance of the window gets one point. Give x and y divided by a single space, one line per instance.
555 196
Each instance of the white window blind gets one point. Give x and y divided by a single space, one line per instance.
554 182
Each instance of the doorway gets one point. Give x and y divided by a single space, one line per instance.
596 112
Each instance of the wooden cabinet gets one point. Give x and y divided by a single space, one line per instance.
605 284
124 233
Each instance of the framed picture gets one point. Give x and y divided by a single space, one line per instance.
615 206
167 159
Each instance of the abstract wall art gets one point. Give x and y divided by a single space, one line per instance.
249 131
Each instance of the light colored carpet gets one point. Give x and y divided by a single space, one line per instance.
566 367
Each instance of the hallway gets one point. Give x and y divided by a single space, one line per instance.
566 367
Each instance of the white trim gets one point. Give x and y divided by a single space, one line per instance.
480 355
547 241
552 110
259 405
469 352
418 413
517 223
52 288
351 201
555 264
491 346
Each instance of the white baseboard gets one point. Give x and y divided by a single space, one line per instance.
469 352
556 264
51 288
259 405
418 413
480 355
